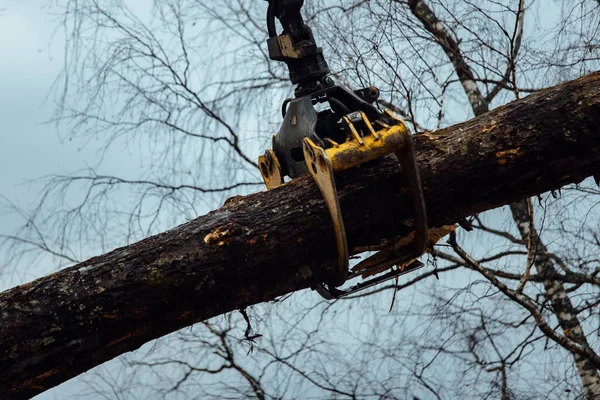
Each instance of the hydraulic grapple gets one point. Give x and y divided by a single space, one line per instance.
350 132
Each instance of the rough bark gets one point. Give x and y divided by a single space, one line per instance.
259 247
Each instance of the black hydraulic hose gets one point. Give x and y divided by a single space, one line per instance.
339 106
271 18
284 106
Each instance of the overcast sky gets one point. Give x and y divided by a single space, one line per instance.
31 58
28 147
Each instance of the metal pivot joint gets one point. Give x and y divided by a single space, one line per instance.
347 134
295 46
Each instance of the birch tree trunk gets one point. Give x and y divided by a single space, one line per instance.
522 214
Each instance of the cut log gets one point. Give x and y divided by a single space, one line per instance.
258 247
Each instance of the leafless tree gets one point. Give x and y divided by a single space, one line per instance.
187 89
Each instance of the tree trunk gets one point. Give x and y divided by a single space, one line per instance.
563 308
259 247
